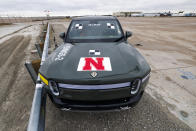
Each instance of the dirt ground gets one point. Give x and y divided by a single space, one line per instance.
158 37
16 90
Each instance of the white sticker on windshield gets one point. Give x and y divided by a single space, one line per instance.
79 26
111 26
94 24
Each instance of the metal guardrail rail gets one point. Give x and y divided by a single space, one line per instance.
37 116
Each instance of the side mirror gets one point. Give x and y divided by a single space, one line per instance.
128 34
62 35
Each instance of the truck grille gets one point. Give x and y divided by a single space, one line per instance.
94 87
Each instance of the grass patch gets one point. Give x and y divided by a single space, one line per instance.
1 24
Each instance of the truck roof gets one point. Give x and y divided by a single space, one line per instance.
94 18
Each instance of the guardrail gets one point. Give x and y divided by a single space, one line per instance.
37 116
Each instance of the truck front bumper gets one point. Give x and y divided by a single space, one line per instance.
117 104
97 100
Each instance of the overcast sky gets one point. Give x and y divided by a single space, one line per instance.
91 7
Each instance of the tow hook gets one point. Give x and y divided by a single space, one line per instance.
125 108
65 109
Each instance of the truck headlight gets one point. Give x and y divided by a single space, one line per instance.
145 78
54 88
135 85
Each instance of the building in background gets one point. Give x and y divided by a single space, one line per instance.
166 14
125 14
151 14
137 15
190 14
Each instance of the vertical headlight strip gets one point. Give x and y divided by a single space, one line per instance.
145 78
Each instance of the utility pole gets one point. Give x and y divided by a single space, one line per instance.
15 18
1 18
47 14
9 21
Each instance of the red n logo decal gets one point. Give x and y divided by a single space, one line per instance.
94 64
98 64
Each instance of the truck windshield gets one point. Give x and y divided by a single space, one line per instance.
94 30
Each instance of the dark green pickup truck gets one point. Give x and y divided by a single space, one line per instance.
95 68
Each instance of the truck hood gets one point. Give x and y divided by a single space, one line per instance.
65 63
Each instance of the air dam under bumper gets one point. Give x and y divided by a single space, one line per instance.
118 104
92 103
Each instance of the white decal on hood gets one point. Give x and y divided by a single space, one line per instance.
94 52
63 52
94 64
